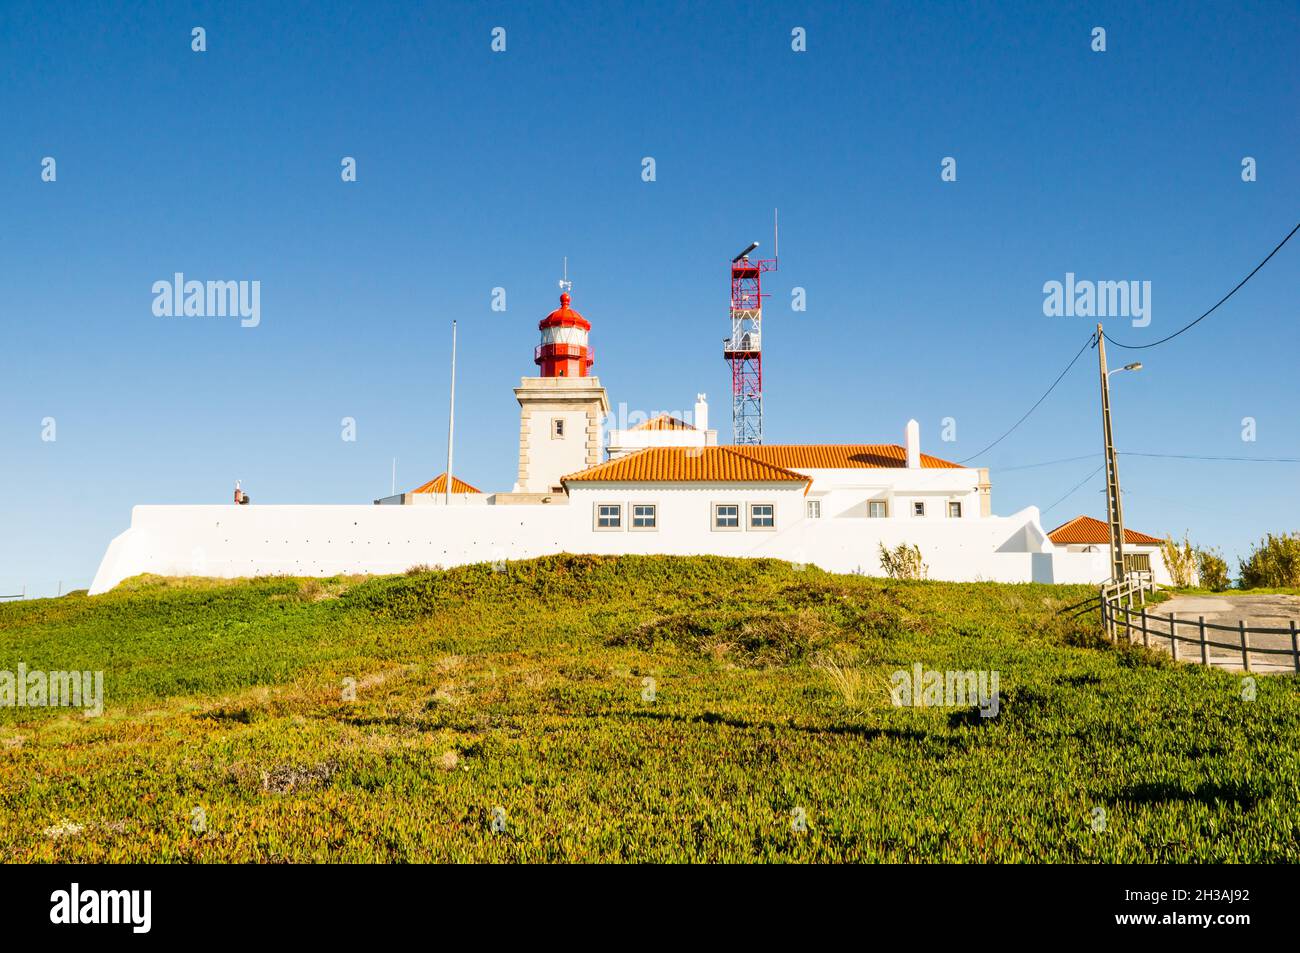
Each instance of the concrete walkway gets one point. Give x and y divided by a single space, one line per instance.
1263 612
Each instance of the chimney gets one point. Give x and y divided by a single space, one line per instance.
913 445
701 413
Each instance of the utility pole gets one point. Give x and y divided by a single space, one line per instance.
451 414
1114 506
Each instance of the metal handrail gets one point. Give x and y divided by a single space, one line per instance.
569 351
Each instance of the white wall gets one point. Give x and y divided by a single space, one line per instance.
229 540
543 458
550 457
685 519
845 493
1102 550
623 442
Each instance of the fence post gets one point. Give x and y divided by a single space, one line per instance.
1245 653
1295 646
1173 637
1145 643
1205 649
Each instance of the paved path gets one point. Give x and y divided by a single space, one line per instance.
1263 612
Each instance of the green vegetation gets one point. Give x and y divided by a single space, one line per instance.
1180 561
1212 570
1187 563
903 562
641 708
1273 564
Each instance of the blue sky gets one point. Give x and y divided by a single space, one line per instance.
479 170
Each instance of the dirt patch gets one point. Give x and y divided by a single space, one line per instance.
287 778
768 638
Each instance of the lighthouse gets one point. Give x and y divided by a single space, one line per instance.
565 350
560 411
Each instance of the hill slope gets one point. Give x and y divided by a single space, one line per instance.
638 708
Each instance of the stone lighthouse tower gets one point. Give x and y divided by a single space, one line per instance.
560 411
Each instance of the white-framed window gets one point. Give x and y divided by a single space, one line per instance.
762 516
954 509
557 428
814 509
726 516
609 516
645 516
877 509
918 507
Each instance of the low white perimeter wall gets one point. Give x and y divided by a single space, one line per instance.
231 541
994 549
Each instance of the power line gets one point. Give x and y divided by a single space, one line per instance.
1036 403
1189 456
1076 488
1135 453
1132 347
1138 347
1048 463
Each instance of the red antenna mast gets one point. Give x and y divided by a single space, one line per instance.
744 349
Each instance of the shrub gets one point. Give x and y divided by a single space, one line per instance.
1275 563
1213 570
756 638
1180 561
903 562
849 682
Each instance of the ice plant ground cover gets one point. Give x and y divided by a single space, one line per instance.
627 709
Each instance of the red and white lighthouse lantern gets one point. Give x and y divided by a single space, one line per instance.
564 351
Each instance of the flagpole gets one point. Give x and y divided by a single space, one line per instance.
451 413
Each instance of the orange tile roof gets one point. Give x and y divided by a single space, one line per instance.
439 485
1085 529
686 465
663 422
822 456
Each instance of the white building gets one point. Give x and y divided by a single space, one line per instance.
664 487
664 430
1084 534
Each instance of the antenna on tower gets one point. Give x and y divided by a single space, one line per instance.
744 349
565 284
776 236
